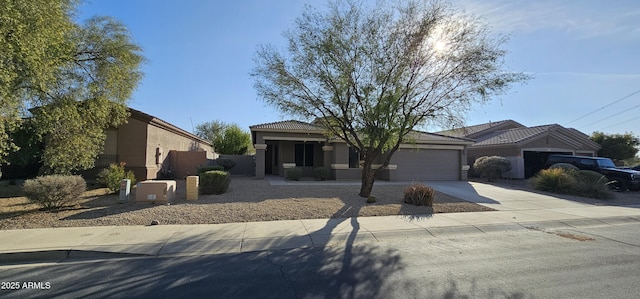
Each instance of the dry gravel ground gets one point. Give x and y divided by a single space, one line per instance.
246 200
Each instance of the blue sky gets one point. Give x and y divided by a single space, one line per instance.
583 55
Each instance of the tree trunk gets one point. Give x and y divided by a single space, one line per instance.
368 177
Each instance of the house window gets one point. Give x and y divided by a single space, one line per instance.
304 154
354 158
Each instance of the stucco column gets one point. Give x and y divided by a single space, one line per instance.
327 150
260 159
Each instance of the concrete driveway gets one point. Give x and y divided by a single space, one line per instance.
502 198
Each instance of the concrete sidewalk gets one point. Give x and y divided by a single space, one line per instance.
516 210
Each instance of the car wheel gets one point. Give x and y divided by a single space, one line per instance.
620 185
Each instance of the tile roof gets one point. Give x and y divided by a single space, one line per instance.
511 136
475 129
299 126
424 137
287 125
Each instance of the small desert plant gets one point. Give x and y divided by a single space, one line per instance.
112 175
591 184
492 167
557 180
226 163
371 199
293 174
419 195
54 191
202 169
321 173
214 182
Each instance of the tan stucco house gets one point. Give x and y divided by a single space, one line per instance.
526 147
287 144
151 147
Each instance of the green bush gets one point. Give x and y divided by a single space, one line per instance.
592 184
566 180
321 173
293 174
419 195
214 182
227 164
111 176
202 169
492 167
556 180
54 191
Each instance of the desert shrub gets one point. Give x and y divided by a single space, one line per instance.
565 166
112 175
419 195
591 184
491 167
293 174
557 180
202 169
226 163
321 173
214 182
54 191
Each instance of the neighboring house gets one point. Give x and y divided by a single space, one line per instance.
526 147
154 148
287 144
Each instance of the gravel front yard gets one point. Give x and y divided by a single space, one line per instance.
246 200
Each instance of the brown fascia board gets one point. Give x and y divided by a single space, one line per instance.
156 122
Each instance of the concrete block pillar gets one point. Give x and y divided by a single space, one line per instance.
328 156
260 159
328 160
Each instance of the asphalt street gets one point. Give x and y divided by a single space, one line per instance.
585 262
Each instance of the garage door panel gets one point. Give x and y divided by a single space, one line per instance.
427 164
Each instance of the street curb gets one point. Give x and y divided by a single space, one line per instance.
11 258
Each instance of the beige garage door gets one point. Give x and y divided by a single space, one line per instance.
427 164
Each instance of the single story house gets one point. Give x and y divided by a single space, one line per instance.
154 148
287 144
526 147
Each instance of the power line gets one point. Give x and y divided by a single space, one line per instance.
626 121
610 116
605 106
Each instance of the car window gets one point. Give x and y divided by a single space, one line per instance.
606 163
587 162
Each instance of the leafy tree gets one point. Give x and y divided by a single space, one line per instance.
616 146
49 61
370 75
228 139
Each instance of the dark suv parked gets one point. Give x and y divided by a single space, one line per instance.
622 179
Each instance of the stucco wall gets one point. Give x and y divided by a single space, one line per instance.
132 142
160 142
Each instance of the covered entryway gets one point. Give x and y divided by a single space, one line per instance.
427 164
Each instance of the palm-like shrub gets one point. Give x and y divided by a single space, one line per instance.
557 180
419 195
592 184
